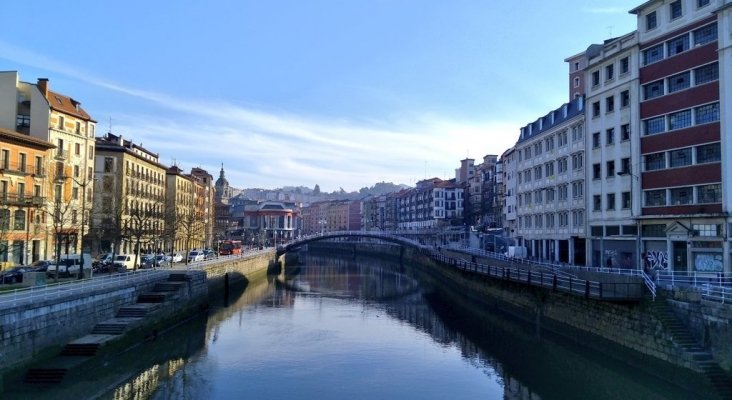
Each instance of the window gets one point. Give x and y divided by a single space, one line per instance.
653 54
610 168
625 165
610 136
576 82
702 3
675 9
578 190
596 203
625 132
76 171
596 140
578 218
562 138
22 162
39 166
550 220
655 161
651 21
680 196
624 65
708 153
108 164
61 122
655 125
577 161
707 113
75 193
679 120
562 165
21 191
655 198
611 201
705 74
680 158
679 82
653 90
625 200
596 171
595 78
19 223
709 194
596 109
90 152
77 149
22 121
577 132
705 34
610 104
550 195
677 45
563 192
609 72
78 127
625 98
549 169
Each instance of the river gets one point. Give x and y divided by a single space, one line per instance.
366 329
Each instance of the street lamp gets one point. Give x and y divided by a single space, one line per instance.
638 259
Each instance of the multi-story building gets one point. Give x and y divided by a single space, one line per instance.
50 116
222 209
269 222
684 219
204 203
23 186
433 203
509 160
184 226
612 155
488 209
129 208
550 185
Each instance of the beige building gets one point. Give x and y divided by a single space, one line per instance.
185 223
205 195
37 111
129 209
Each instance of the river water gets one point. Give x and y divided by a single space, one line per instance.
365 329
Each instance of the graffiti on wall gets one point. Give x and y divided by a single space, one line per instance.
657 260
708 262
611 258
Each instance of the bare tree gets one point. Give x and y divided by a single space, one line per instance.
144 223
61 216
108 224
190 226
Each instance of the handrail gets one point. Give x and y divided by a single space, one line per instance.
649 284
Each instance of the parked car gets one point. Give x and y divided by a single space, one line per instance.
195 255
41 265
15 274
69 265
126 262
208 254
159 260
177 257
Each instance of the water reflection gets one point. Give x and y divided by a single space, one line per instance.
364 329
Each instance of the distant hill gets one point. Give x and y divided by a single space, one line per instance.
308 195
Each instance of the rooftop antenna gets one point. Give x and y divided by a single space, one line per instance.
610 31
110 124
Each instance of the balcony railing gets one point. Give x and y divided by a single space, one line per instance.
61 154
15 199
21 169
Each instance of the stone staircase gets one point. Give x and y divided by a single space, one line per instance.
90 345
704 360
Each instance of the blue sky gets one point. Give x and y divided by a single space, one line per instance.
340 93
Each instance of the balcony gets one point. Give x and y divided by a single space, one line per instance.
61 154
14 199
20 169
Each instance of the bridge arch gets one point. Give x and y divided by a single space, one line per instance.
349 234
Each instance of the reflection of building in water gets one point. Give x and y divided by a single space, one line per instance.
146 383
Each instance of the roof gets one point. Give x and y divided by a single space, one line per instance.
67 105
556 117
23 139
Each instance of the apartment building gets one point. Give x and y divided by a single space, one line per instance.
185 228
23 187
205 195
550 187
684 219
129 206
612 153
222 209
433 203
36 110
509 161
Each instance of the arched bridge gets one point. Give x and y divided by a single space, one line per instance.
386 236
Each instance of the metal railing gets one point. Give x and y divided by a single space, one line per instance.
74 288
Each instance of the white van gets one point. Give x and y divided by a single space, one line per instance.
126 261
69 265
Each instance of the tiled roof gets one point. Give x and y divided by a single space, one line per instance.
67 105
10 135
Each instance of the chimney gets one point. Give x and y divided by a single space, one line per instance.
43 86
121 141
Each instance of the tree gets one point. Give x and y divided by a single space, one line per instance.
144 221
190 227
61 218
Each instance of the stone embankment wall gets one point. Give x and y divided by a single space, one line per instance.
238 269
631 331
49 323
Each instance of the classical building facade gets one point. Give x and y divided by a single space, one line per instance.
129 211
36 110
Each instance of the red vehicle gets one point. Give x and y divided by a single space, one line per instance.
230 247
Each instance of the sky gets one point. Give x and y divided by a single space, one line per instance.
338 93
